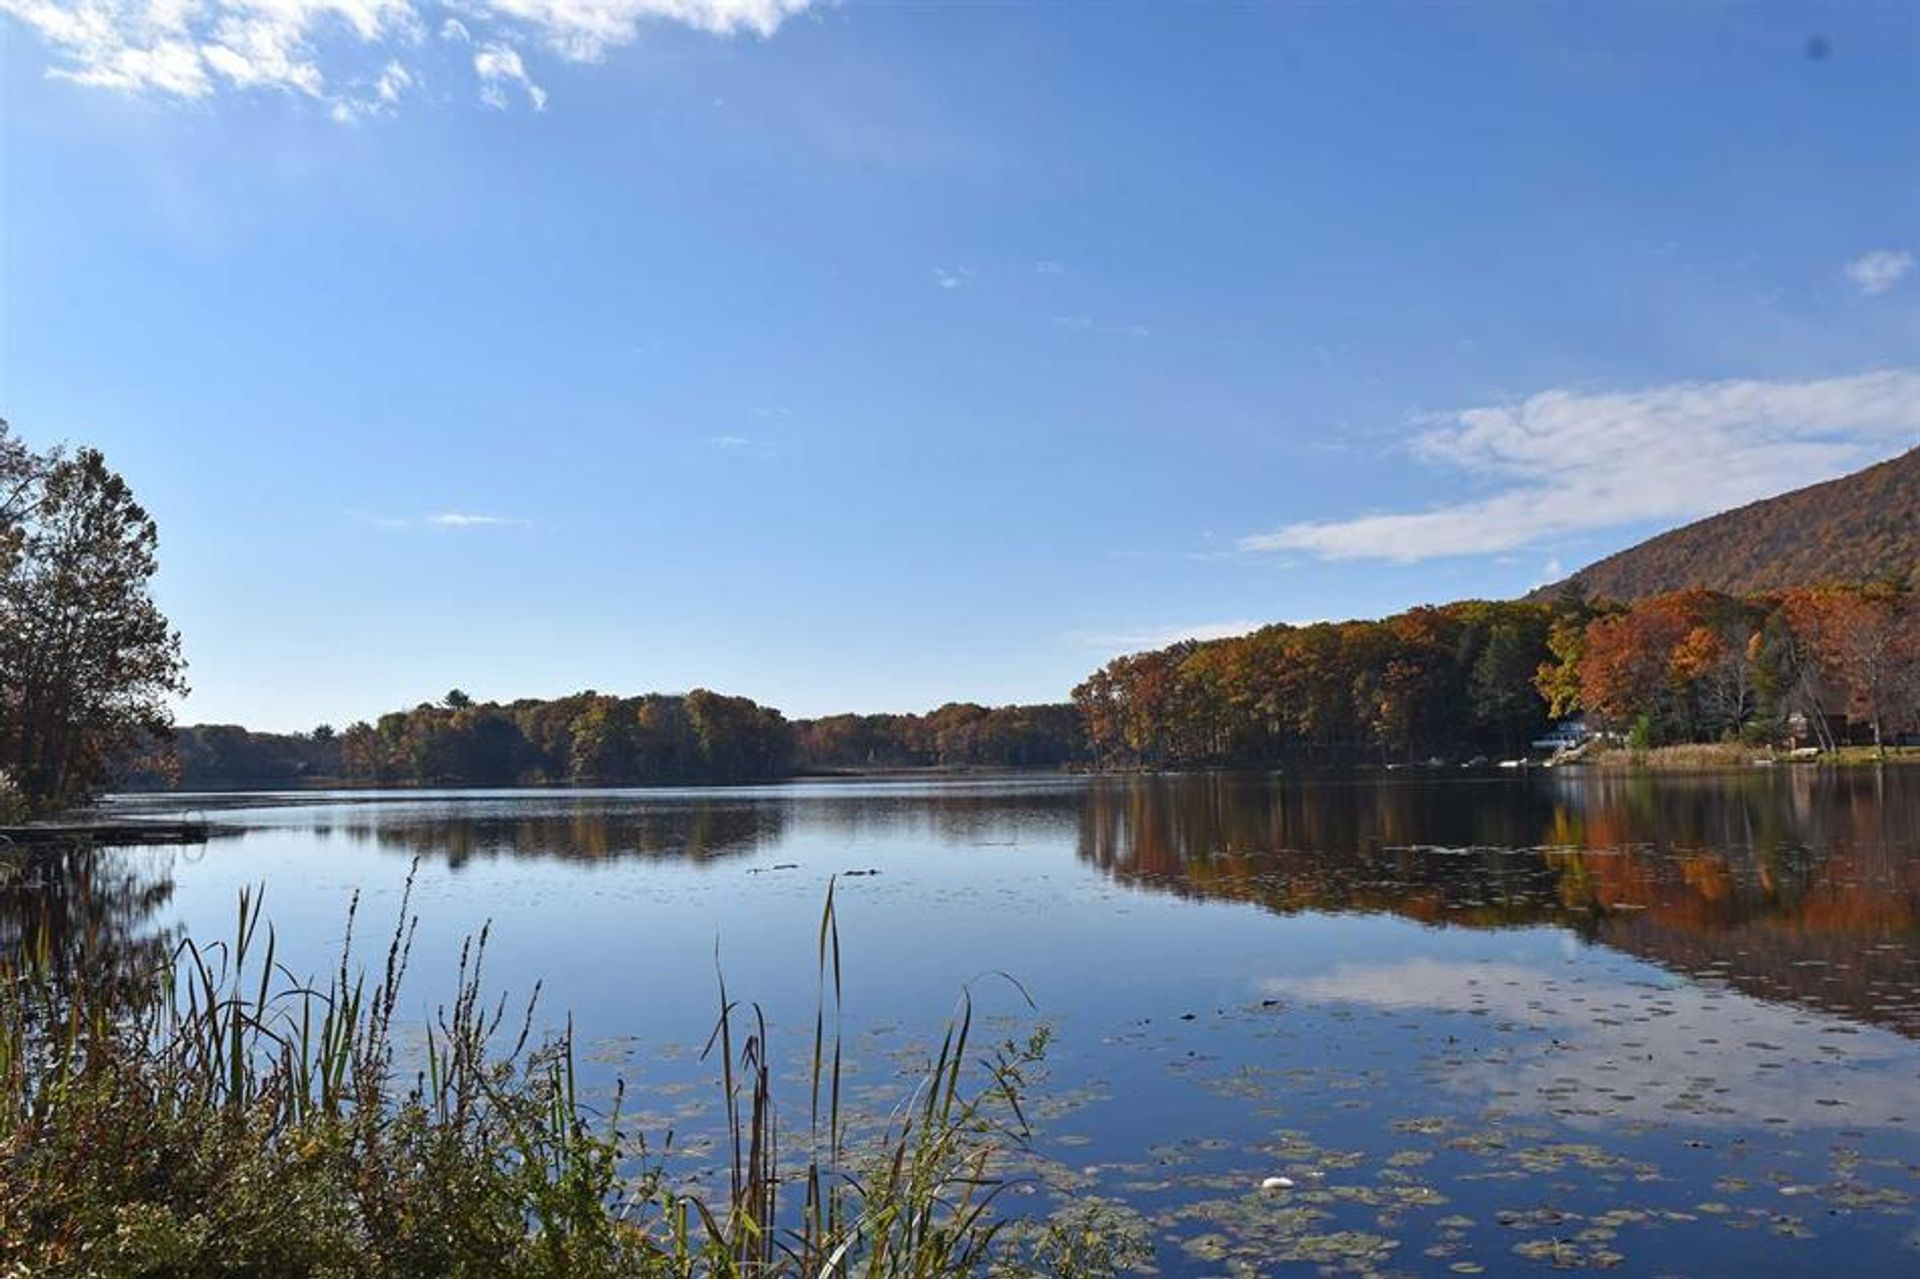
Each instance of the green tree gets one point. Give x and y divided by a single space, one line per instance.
87 660
1500 690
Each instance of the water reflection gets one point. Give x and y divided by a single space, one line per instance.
1794 883
1434 1017
66 913
584 831
1798 885
697 826
1627 1052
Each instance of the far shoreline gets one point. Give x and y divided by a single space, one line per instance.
1621 760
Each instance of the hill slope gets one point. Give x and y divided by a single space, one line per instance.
1860 527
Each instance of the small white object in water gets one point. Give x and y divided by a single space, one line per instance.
1277 1183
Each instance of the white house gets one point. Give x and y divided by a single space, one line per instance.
1565 735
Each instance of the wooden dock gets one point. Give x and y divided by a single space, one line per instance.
103 832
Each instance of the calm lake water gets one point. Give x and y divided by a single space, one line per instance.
1665 1025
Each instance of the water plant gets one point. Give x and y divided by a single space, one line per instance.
218 1115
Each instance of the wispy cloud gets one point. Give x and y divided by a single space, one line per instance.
441 519
952 277
389 87
743 446
1047 266
1134 640
1565 461
462 519
341 52
1880 270
498 66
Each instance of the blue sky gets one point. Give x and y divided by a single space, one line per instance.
864 356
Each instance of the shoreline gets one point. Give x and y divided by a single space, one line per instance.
1684 757
1705 757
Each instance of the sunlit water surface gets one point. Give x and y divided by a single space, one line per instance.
1667 1026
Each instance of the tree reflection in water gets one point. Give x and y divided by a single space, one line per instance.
1795 884
585 832
73 914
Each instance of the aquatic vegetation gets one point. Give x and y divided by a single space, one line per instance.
220 1115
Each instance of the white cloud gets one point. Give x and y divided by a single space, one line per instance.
392 83
443 519
1880 270
730 441
584 30
194 48
461 519
498 65
394 80
1566 461
170 66
950 278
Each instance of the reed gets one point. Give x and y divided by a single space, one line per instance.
221 1116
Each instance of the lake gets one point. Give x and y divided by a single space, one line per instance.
1668 1025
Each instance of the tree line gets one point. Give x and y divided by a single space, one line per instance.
1824 662
959 734
1477 677
1428 681
596 739
1453 681
589 738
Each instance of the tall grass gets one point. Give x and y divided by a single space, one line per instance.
221 1116
915 1202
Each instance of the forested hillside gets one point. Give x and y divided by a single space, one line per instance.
1863 527
1483 678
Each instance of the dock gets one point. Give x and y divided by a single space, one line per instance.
104 832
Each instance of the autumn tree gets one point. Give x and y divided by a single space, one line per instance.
1433 680
1557 679
603 746
362 752
1867 642
87 660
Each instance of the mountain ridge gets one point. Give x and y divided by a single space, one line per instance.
1860 527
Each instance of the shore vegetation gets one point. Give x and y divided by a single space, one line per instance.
215 1115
